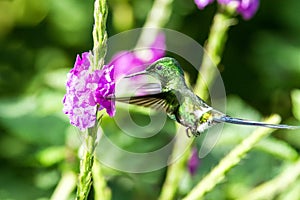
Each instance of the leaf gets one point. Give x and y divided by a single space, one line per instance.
296 103
51 155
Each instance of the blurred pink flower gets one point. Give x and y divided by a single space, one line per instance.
127 62
201 4
246 8
193 162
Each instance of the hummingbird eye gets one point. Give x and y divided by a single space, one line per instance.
159 67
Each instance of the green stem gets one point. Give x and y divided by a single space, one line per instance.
177 169
232 159
99 33
86 165
278 148
65 186
102 192
97 62
273 187
85 176
159 14
157 18
214 49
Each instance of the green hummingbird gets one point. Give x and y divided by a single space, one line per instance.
180 102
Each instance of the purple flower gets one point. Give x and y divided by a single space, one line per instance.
246 8
202 3
88 90
193 162
127 62
80 101
227 1
157 48
106 88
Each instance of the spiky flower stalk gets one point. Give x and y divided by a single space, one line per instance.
96 62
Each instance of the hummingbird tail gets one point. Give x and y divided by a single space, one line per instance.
232 120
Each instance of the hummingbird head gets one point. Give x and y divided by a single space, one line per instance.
166 70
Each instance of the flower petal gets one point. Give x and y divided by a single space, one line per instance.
79 102
201 4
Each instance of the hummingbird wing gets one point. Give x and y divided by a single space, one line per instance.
166 101
232 120
148 88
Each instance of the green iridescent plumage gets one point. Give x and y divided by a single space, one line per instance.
180 102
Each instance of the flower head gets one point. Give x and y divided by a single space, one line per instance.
80 101
193 162
202 3
227 1
157 48
246 8
127 62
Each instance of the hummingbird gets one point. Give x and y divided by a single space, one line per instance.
180 103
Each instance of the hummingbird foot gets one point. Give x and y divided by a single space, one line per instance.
190 132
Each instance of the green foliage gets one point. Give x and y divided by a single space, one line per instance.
39 41
296 103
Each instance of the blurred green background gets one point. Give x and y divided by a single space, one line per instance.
39 41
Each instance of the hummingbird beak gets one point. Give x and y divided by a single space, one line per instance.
136 74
